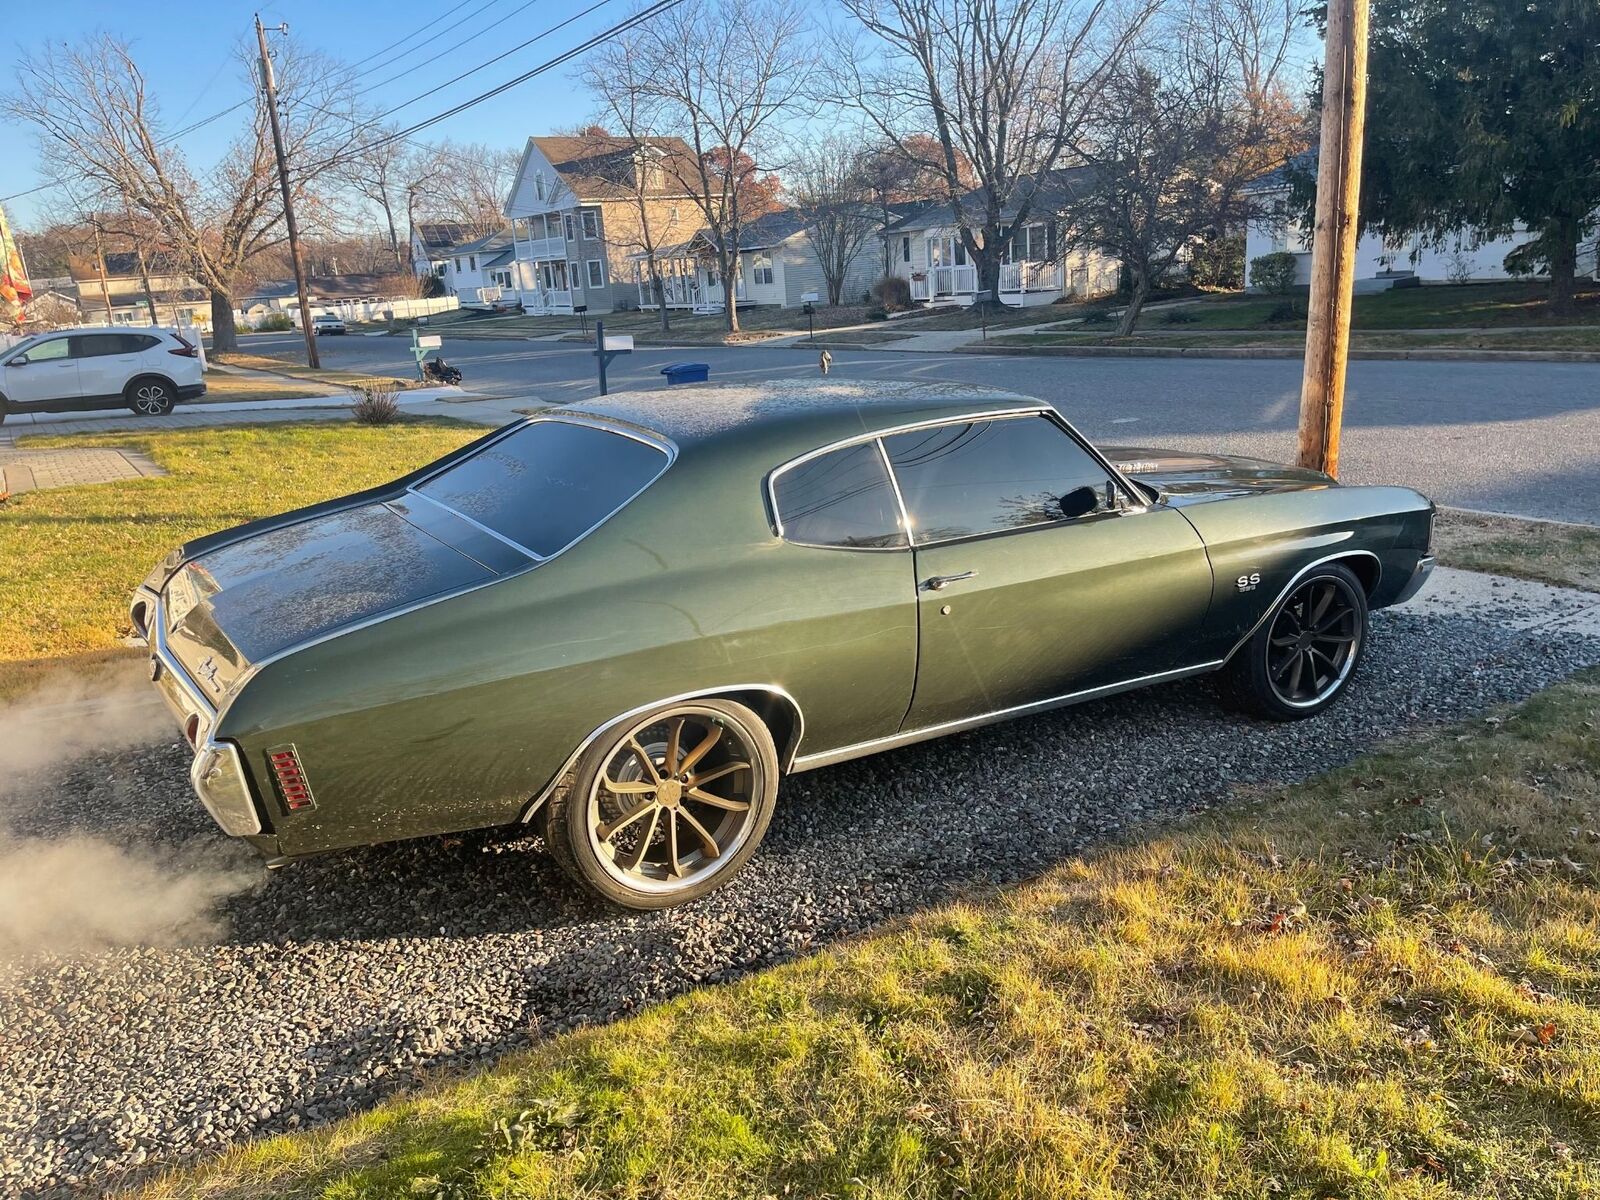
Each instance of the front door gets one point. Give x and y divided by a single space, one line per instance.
50 374
1020 603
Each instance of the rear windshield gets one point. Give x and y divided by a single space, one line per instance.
547 485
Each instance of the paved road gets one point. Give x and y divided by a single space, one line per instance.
1510 437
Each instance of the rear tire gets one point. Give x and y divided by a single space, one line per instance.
1306 652
150 397
665 808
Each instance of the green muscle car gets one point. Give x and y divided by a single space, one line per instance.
630 618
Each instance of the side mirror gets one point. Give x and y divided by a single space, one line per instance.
20 360
1080 502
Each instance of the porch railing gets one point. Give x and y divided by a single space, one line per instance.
546 300
1030 277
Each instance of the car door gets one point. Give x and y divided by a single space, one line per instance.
106 363
44 373
1020 602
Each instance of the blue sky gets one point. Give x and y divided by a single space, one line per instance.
187 51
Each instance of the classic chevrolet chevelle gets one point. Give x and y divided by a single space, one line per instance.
632 617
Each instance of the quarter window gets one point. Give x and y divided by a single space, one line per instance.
547 485
842 498
981 477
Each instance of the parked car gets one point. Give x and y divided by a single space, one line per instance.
631 618
104 366
326 323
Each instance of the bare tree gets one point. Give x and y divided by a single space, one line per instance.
97 124
463 184
1192 116
834 196
379 171
724 75
1005 86
906 170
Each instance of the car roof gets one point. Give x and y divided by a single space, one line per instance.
802 413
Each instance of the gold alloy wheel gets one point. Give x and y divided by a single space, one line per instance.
675 800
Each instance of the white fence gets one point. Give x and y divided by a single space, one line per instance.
353 310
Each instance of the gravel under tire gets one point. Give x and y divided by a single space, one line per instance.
565 813
1244 684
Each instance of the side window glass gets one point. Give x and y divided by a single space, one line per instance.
51 351
843 498
97 345
980 477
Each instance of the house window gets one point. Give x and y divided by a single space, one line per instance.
905 249
597 273
591 224
572 273
761 270
538 184
566 222
440 268
457 262
472 262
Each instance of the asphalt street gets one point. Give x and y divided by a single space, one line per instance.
1505 437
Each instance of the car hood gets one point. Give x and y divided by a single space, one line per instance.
1184 476
252 598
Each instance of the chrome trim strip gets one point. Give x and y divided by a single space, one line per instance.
169 662
478 525
699 694
826 758
899 500
1289 587
879 435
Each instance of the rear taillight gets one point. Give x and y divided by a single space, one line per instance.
191 730
292 783
187 349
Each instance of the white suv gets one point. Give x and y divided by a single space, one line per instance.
145 369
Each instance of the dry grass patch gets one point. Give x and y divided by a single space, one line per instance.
1382 983
331 378
1564 555
74 555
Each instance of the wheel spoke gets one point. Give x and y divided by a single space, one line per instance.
631 860
606 832
1279 671
1294 675
673 865
706 840
1336 618
695 781
704 748
717 801
1331 639
644 757
636 787
1330 593
673 749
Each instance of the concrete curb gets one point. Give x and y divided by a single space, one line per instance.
342 400
1569 356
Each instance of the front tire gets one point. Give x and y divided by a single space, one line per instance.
150 397
1304 655
665 808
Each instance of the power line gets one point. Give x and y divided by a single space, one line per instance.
412 34
451 48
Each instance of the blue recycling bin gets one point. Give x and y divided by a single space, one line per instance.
677 373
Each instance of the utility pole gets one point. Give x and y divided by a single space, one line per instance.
1333 251
271 87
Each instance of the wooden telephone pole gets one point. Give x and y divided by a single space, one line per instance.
269 83
1333 251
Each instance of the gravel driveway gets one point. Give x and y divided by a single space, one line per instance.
340 979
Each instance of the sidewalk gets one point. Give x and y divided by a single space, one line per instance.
241 412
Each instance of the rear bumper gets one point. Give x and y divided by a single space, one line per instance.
217 773
192 391
1419 576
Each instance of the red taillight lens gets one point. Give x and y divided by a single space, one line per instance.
292 783
188 349
191 730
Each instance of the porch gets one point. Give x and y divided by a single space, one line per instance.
1031 274
686 283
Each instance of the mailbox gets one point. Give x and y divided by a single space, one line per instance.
432 342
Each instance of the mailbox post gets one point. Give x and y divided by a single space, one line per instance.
583 320
607 348
981 299
420 347
808 306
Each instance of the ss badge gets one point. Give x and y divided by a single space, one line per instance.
1248 583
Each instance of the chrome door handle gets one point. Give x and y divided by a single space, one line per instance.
939 582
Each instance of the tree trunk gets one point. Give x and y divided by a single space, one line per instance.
1563 258
730 289
394 236
1140 293
987 260
836 291
659 286
224 335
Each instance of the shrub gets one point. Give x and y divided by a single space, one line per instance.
379 404
1285 311
892 293
1178 316
1217 264
277 322
877 313
1274 273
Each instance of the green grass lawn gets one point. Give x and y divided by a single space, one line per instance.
223 388
1384 982
74 555
1578 337
1486 305
290 361
1565 555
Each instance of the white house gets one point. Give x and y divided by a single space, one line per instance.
581 207
1041 266
778 265
1380 262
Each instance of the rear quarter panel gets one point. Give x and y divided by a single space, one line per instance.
1258 543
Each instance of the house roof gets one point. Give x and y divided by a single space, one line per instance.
500 239
601 168
334 287
439 235
124 264
1278 177
1050 193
